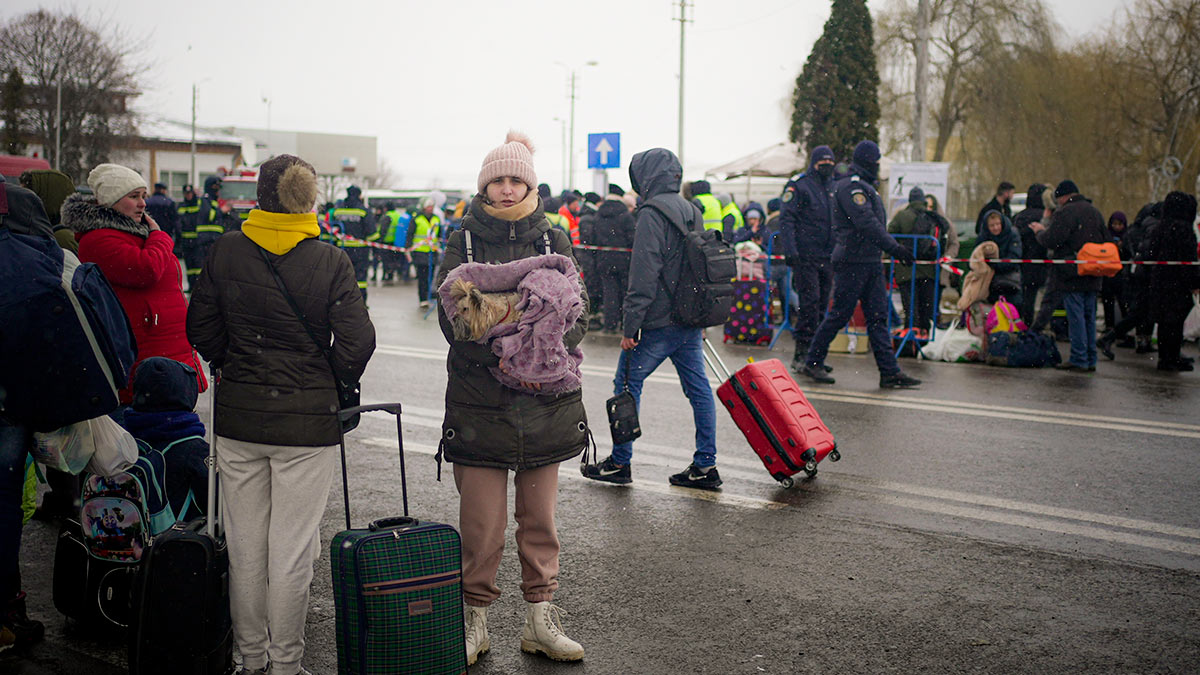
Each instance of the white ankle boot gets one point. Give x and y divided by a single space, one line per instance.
477 635
544 633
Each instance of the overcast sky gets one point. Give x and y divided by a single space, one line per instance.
440 82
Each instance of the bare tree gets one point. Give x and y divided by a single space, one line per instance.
962 34
385 175
1159 73
96 67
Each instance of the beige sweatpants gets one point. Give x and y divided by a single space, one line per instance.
272 499
483 515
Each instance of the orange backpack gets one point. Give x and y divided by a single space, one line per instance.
1103 260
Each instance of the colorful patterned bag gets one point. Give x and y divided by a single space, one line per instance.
749 317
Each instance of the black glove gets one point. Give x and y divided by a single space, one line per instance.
903 254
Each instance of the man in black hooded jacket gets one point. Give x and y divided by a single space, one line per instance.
1033 277
651 334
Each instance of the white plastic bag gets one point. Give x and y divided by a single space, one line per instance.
953 344
1191 325
69 448
115 449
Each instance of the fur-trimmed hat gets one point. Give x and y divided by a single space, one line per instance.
111 182
287 184
513 158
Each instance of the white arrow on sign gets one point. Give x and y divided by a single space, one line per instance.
602 149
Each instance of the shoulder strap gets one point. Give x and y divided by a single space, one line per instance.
546 241
467 243
177 441
324 349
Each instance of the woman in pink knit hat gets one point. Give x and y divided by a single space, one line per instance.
491 430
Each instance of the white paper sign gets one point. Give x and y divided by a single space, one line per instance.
932 177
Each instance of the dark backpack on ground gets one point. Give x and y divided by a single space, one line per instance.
1023 349
704 293
66 347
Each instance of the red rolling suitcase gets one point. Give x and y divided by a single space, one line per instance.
782 426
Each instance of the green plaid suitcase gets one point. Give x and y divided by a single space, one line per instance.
397 589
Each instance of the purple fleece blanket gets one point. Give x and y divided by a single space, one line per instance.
532 349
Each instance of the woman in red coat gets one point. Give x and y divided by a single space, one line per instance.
115 232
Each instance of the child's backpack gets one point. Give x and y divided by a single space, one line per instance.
182 501
68 348
1004 318
122 512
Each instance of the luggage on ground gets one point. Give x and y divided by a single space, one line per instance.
782 427
91 590
397 589
180 620
1004 318
75 348
1022 350
749 316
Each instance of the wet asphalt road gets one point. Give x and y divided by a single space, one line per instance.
994 520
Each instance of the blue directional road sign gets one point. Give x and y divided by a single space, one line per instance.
604 151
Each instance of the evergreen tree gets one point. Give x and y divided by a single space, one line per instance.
836 100
11 105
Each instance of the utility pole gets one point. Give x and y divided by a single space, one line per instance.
683 21
571 150
922 80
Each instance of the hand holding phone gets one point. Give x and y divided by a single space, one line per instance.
150 221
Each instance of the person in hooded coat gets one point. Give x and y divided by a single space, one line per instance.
53 188
806 242
1113 293
275 422
1033 277
651 335
1172 286
137 257
490 429
614 227
1006 282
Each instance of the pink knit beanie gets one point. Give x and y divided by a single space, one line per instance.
514 158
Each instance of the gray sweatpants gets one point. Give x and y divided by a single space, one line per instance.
272 499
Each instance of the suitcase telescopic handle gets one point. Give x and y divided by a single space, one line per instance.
714 360
393 408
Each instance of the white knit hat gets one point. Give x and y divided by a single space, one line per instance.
514 158
110 182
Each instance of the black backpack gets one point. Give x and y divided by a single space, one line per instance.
704 293
927 224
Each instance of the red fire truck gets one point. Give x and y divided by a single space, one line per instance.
239 189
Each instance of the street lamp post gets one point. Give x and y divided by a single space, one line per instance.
562 123
571 141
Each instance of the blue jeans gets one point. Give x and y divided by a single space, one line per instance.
854 283
1081 322
686 351
14 447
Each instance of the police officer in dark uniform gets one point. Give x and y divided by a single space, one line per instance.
211 220
806 241
353 219
860 235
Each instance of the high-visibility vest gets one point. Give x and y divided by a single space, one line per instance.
187 219
712 211
345 216
398 230
557 220
732 207
209 221
426 233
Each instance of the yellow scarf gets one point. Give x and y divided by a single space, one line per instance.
280 232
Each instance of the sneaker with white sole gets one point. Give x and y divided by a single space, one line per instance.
543 633
696 477
608 471
477 635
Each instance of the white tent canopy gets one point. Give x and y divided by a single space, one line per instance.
780 159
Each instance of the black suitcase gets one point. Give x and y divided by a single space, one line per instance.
180 620
90 590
